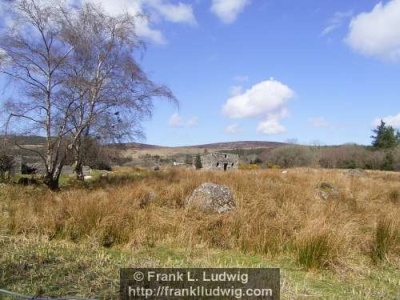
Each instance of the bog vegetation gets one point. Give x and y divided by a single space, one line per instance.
283 219
333 233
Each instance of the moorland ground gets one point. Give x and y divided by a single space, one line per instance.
334 234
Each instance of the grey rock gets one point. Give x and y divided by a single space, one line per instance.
328 191
356 172
211 197
147 198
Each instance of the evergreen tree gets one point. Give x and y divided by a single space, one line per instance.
197 163
385 137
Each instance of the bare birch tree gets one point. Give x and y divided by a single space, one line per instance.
112 91
33 56
77 76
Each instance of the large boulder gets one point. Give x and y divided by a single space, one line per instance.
211 197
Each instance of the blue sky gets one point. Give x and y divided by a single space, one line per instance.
270 70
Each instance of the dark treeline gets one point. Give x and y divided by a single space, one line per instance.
341 157
383 154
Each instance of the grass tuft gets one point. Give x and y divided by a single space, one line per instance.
316 251
394 196
384 239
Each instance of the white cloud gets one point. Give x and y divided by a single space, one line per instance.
193 121
233 129
134 7
270 126
267 99
336 21
176 13
393 121
318 122
377 33
176 121
228 10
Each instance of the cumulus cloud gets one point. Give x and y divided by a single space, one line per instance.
267 97
270 126
376 33
318 122
233 129
177 13
336 21
176 121
267 100
228 10
393 121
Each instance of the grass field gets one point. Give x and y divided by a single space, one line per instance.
334 235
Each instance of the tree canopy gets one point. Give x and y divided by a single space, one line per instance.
385 136
77 76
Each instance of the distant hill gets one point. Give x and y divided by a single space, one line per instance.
137 146
138 149
33 140
239 145
135 150
211 146
224 145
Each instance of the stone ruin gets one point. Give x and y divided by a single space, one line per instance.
218 161
38 167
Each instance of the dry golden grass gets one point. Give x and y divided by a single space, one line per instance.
278 215
276 212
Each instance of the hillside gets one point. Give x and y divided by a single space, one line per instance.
32 140
136 149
